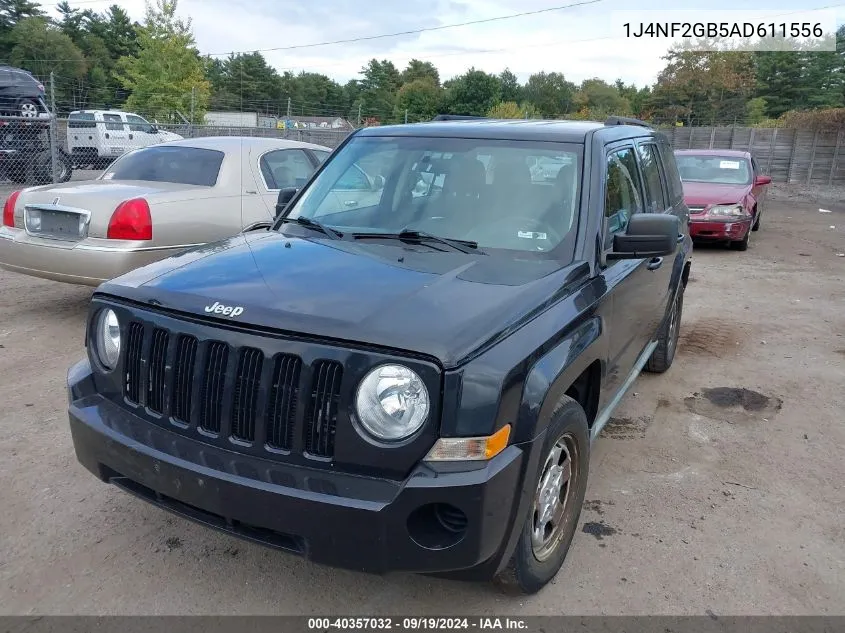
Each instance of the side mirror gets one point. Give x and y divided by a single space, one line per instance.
762 180
647 235
285 196
378 183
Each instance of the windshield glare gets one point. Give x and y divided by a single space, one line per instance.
503 195
722 170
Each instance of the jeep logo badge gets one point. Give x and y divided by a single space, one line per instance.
229 311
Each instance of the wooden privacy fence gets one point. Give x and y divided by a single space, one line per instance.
787 155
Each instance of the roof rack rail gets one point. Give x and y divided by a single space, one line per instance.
621 120
458 117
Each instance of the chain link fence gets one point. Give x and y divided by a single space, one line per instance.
43 149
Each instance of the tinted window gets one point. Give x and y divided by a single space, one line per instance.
649 160
182 165
480 190
113 122
138 124
321 155
81 120
286 168
622 191
723 170
670 171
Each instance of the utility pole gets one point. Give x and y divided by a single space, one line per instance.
54 159
359 114
406 116
288 107
193 100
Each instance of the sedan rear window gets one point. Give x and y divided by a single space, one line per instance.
180 165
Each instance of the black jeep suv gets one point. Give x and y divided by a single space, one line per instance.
405 373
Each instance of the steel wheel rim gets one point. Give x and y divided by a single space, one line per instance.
28 110
553 497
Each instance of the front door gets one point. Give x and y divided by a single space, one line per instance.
114 135
272 171
629 281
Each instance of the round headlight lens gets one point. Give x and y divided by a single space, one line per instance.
108 339
392 402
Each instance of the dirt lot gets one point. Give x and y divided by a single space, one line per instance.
718 487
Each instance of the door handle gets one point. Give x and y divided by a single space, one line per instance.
250 191
680 237
655 263
351 203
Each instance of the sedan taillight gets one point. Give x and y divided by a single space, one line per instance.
131 221
9 209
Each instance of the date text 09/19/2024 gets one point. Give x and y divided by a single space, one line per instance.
416 623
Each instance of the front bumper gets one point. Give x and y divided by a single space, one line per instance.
87 262
343 520
717 230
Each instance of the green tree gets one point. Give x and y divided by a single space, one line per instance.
756 110
511 90
379 85
550 93
318 95
245 81
601 98
638 98
417 69
34 39
472 94
11 13
167 76
506 110
419 98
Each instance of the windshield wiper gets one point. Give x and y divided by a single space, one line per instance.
313 224
464 246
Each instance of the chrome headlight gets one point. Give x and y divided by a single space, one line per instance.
108 339
727 211
392 402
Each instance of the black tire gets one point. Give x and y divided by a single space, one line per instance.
28 108
667 340
742 245
758 213
526 573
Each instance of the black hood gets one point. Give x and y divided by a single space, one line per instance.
442 305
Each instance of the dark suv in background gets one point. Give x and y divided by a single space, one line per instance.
407 381
21 94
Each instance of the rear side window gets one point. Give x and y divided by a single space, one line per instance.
180 165
673 176
81 120
113 122
649 160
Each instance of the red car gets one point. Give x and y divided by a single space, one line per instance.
724 191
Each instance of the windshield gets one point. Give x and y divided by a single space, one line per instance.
179 165
722 170
479 190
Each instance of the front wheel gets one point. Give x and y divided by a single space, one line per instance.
742 245
559 490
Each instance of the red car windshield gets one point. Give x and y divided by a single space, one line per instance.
719 170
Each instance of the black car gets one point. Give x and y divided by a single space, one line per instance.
26 156
409 380
21 94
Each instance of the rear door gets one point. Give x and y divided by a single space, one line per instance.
758 191
280 169
115 134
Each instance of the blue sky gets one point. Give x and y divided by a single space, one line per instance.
581 42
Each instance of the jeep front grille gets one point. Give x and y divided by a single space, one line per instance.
235 394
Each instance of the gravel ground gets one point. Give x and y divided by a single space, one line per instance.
718 487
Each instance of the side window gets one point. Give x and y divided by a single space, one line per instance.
353 180
622 191
137 124
113 122
675 187
285 168
754 167
321 155
655 199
